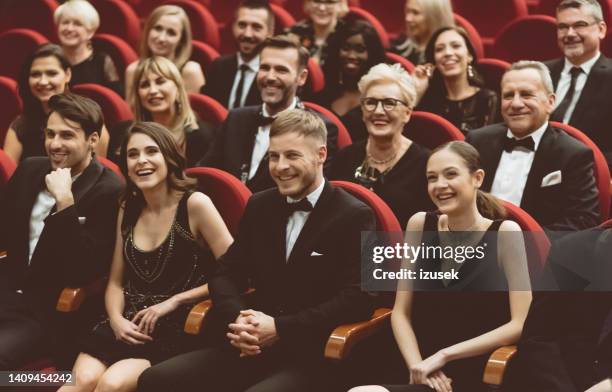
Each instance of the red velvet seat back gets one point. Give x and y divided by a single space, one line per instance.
11 105
119 19
344 137
430 130
17 45
531 37
207 108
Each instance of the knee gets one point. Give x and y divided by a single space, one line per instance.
110 384
86 380
369 388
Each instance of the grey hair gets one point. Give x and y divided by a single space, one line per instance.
540 68
80 9
592 6
395 73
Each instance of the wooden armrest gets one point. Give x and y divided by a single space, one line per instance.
71 298
345 337
2 254
196 317
496 365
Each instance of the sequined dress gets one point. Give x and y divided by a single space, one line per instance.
151 277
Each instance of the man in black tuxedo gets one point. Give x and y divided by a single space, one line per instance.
242 140
299 247
230 79
583 78
531 164
58 218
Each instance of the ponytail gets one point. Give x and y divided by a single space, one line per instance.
489 206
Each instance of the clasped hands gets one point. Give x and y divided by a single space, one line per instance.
428 372
251 332
140 329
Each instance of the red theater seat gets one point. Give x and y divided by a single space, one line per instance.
602 173
531 37
316 78
431 130
114 108
10 102
30 14
473 34
389 12
203 54
119 51
344 138
404 62
7 167
207 108
204 26
119 19
17 45
283 19
359 13
492 71
489 17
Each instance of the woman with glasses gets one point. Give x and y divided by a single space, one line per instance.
324 18
387 162
450 84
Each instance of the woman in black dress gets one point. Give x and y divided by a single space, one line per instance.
449 84
387 162
446 328
45 73
77 22
162 260
159 95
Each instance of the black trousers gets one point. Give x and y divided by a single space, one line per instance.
222 370
22 333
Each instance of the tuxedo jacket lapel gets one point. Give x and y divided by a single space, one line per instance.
490 157
317 217
594 82
538 167
87 180
555 72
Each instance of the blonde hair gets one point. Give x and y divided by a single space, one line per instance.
301 122
385 73
183 49
80 9
167 69
343 4
438 14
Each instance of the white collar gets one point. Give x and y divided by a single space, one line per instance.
536 135
253 64
586 66
312 197
293 105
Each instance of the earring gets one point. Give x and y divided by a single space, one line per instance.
470 71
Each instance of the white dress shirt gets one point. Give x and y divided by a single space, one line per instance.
514 167
249 77
262 140
564 84
298 219
42 207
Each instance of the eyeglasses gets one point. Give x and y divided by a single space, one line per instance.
326 3
578 27
388 104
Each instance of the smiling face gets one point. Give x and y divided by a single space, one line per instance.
73 32
157 94
581 41
279 77
250 29
47 78
381 123
296 163
66 144
354 56
414 15
451 55
146 165
165 36
450 184
323 12
525 104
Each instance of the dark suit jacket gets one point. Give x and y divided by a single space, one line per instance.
233 146
592 114
559 345
308 295
220 76
570 205
76 244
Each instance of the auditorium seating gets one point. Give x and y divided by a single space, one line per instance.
119 19
203 53
114 108
316 78
532 37
119 51
602 173
473 34
207 108
396 58
7 167
20 43
283 19
10 102
344 137
30 14
430 130
359 13
489 17
492 71
389 12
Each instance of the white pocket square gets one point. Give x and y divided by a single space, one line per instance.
82 220
550 179
316 254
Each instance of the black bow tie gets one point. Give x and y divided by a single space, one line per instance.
511 143
264 121
302 205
